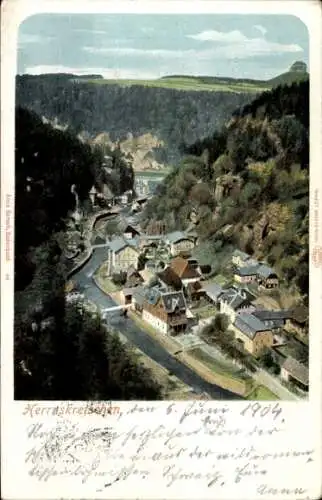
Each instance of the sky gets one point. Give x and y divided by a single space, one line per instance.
148 46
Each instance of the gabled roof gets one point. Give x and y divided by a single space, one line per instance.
118 244
247 271
183 269
176 236
146 274
170 278
265 315
195 287
139 295
129 228
213 290
235 298
131 270
296 370
249 324
173 301
265 271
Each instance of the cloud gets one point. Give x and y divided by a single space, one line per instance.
260 28
130 51
92 32
218 36
235 45
26 39
121 73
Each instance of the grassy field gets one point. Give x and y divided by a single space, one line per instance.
216 366
105 284
261 393
189 84
205 311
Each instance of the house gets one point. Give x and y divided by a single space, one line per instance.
130 232
298 320
179 242
272 319
126 197
204 270
133 277
122 255
93 195
195 291
246 274
165 311
138 298
141 202
234 301
294 371
169 279
266 276
127 230
127 294
147 275
193 263
212 292
239 258
252 333
186 272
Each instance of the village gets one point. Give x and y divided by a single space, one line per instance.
228 320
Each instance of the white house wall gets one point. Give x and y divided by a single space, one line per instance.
155 322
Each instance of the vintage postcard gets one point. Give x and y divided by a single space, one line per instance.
161 250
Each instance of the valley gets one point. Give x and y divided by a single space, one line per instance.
198 194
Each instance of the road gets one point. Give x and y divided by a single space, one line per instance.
141 339
264 378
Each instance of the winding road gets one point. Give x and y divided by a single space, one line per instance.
141 339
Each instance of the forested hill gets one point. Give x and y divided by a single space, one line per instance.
47 163
61 351
177 117
247 186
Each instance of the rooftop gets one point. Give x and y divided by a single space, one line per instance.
176 236
170 278
247 270
213 290
296 370
117 244
235 297
183 269
139 294
265 271
173 301
249 324
266 315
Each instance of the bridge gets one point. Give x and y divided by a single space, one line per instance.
101 245
116 308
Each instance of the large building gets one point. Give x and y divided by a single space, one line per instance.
252 333
122 255
233 301
179 242
165 311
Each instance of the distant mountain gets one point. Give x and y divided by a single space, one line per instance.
297 73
